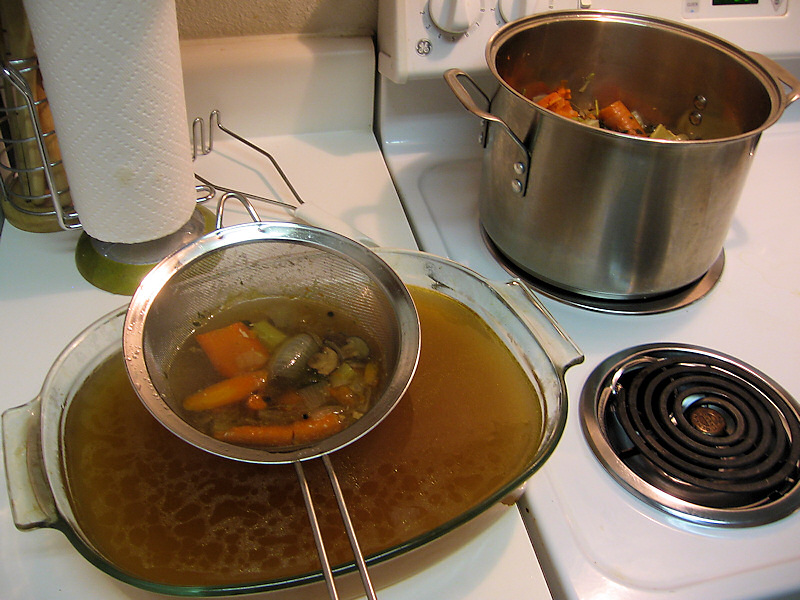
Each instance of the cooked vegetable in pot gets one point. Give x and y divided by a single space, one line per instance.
616 116
294 372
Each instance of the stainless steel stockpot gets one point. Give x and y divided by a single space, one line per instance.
606 214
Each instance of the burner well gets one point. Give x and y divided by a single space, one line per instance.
658 303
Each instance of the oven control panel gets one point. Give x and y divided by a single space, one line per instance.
423 38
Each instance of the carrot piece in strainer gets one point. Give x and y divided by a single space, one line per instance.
234 349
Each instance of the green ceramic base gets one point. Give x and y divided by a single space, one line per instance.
119 268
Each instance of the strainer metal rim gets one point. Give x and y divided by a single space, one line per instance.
145 295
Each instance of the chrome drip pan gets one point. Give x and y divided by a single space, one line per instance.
695 433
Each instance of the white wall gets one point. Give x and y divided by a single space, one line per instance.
224 18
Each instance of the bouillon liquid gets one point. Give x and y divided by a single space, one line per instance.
166 512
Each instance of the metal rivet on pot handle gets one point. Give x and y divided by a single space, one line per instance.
519 182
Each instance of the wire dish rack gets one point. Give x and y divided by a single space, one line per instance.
30 158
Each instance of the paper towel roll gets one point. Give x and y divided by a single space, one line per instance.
113 77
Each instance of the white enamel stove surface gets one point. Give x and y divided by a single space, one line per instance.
310 103
593 538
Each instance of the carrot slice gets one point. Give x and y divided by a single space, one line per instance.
289 399
255 402
228 391
564 91
558 102
345 395
299 432
258 435
311 430
233 349
616 116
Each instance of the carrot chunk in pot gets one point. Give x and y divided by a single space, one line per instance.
616 116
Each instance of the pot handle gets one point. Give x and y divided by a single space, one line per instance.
780 73
557 344
520 178
32 502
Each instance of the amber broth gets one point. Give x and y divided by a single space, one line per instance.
165 512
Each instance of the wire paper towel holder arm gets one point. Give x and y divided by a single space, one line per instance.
304 210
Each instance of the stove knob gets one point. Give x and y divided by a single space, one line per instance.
511 10
454 16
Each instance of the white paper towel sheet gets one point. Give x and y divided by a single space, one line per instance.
112 72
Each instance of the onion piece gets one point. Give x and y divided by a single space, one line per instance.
290 359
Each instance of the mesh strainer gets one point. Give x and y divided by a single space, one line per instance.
242 262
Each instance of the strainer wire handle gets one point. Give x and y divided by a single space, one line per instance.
312 517
348 525
244 201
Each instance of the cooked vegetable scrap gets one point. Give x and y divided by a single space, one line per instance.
662 133
559 102
269 335
290 359
325 361
616 116
227 391
355 347
234 349
255 402
586 81
279 388
302 431
257 435
316 427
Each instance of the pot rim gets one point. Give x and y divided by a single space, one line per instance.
754 63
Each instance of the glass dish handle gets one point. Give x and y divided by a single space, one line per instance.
32 502
557 344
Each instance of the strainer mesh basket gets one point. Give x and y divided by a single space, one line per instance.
245 262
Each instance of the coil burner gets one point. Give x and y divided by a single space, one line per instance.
695 433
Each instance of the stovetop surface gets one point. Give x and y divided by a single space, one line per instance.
695 433
592 536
